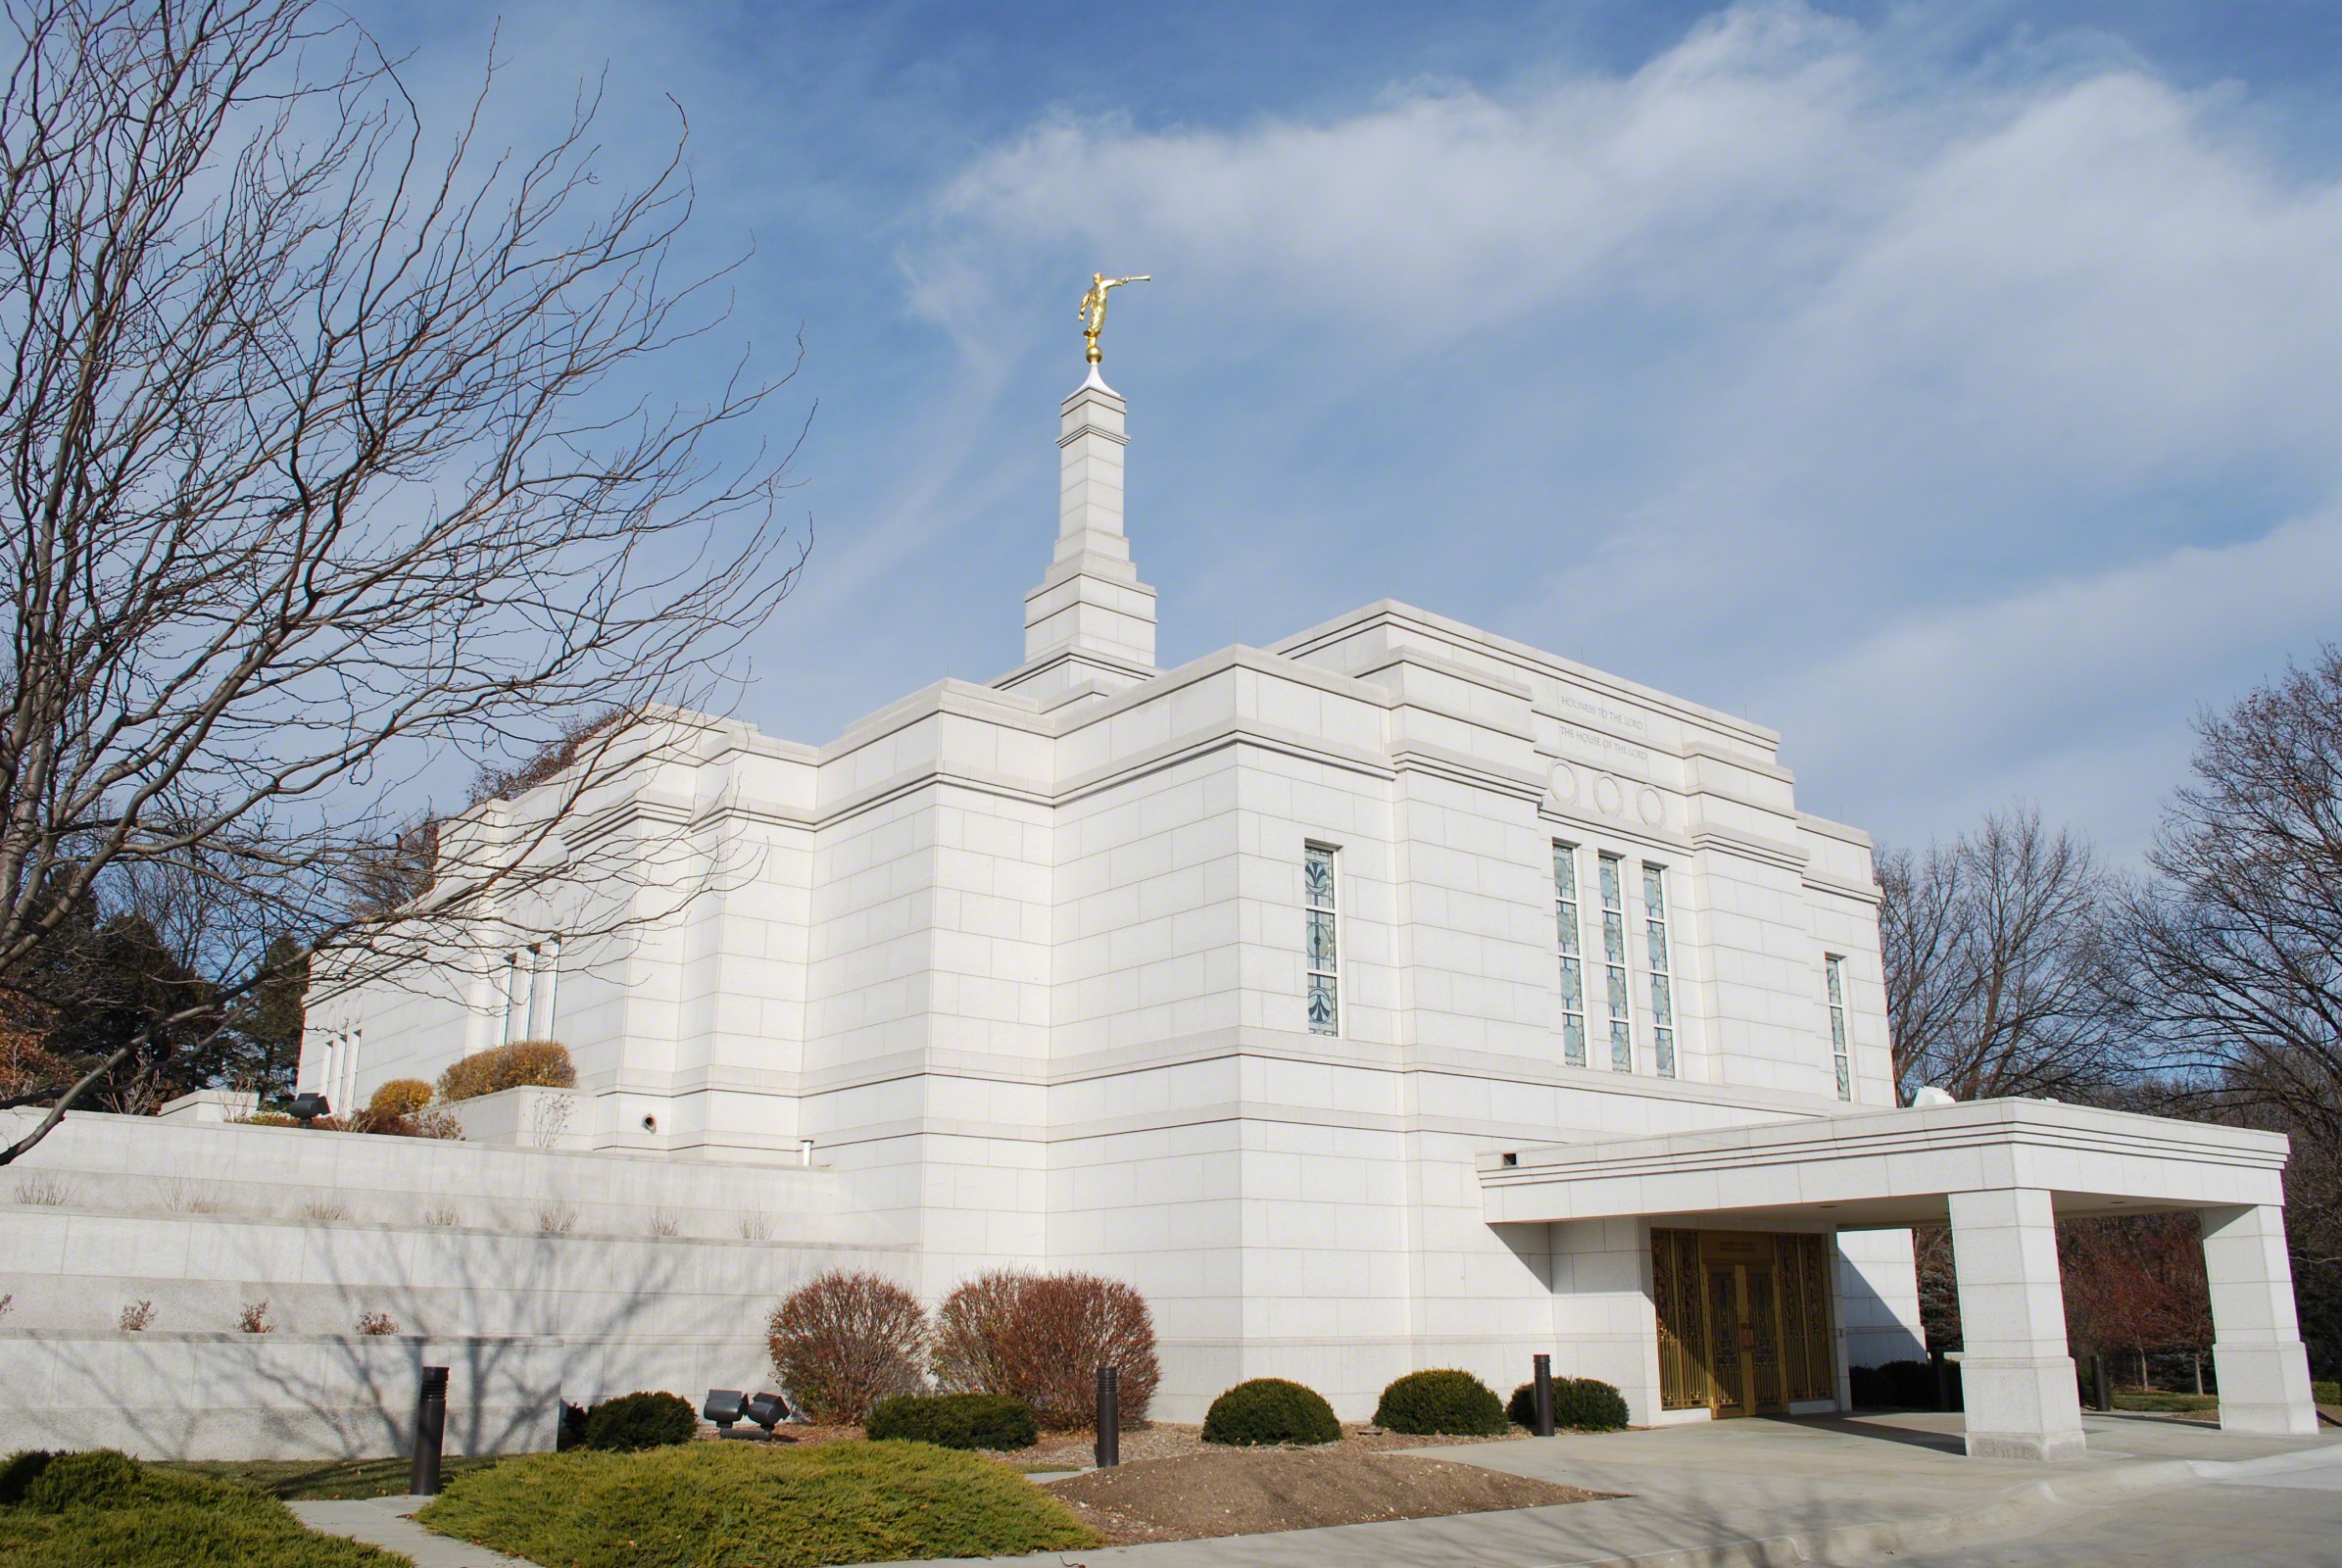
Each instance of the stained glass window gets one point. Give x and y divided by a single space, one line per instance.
1663 1007
1573 957
1317 887
1833 973
1614 966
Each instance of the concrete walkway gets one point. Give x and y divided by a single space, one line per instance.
2281 1512
1759 1493
1751 1493
384 1522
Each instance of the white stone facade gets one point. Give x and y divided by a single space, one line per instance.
1024 970
1026 964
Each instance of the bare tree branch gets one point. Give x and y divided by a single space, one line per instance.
1998 964
318 463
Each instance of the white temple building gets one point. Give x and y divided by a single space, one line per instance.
1395 995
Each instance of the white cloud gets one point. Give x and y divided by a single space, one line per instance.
1974 410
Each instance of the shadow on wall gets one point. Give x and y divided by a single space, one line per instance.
548 1300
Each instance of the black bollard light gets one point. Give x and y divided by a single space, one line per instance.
1943 1378
430 1432
2101 1398
1543 1394
1110 1418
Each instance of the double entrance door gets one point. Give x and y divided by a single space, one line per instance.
1743 1320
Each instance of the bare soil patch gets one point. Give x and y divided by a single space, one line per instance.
1238 1491
1169 1440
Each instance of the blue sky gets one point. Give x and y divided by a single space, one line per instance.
1952 388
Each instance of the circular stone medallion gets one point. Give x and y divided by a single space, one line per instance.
1608 795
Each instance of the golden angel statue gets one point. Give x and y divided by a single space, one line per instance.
1093 311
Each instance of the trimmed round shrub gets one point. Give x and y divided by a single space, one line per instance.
1447 1402
1580 1405
1588 1405
992 1421
21 1470
97 1478
636 1421
844 1340
1040 1338
541 1062
1270 1410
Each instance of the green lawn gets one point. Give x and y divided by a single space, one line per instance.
117 1514
744 1505
319 1479
2161 1404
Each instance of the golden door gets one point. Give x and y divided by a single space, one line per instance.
1743 1320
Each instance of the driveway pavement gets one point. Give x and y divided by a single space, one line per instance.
1846 1490
1849 1492
2260 1514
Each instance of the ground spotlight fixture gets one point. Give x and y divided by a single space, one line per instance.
723 1408
308 1108
767 1411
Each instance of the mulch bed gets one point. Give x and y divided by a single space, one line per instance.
1238 1491
1173 1486
1171 1439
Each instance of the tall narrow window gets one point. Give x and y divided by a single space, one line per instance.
1573 955
1833 974
1614 966
1325 992
1663 1002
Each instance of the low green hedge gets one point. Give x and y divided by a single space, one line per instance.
1269 1410
101 1510
635 1421
1445 1402
954 1421
2326 1393
1580 1405
737 1505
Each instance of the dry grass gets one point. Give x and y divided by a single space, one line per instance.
1242 1492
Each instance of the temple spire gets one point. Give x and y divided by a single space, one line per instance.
1091 622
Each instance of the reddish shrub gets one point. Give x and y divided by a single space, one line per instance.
842 1341
1040 1338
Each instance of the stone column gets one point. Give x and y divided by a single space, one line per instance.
2256 1338
2015 1377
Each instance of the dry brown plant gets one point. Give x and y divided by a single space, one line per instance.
1041 1338
519 1066
844 1340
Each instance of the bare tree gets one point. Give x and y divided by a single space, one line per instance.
2235 952
320 462
1997 954
2238 938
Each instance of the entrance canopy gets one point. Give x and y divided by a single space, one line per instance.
2001 1173
1886 1168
